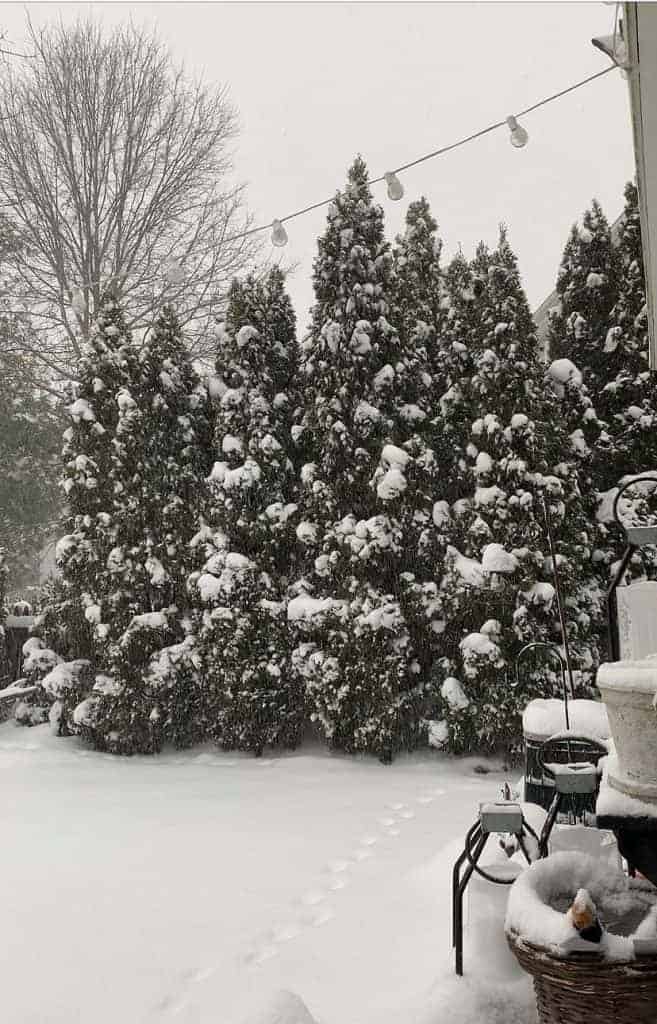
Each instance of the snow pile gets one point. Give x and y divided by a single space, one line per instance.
391 479
540 594
282 1008
166 665
244 476
37 659
540 896
221 573
65 677
441 513
81 410
307 532
367 537
478 648
452 692
563 372
495 559
366 415
438 734
469 569
604 513
614 803
384 378
360 338
543 718
476 1000
305 607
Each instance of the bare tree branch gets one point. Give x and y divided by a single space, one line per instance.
115 165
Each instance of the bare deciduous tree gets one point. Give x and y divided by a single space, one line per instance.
115 169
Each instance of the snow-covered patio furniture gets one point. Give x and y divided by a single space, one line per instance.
613 981
549 741
504 818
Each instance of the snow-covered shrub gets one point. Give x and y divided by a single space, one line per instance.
175 682
66 683
38 662
252 699
364 684
511 453
122 713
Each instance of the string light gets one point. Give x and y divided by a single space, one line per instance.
395 187
519 135
278 234
422 159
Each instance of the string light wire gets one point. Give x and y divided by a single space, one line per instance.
435 153
421 159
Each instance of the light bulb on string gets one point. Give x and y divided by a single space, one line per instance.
519 135
395 187
278 234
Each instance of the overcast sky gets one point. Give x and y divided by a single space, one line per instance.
316 83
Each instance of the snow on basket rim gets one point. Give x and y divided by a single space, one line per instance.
545 717
530 916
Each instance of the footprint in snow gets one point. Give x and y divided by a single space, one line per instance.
262 955
406 814
386 822
338 866
322 916
425 799
336 884
362 854
392 832
204 974
396 807
287 932
313 897
368 841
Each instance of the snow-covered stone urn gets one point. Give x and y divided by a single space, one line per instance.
629 689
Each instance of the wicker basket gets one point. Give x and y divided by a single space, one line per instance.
585 989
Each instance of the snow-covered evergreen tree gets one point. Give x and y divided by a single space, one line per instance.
628 397
93 482
367 396
418 291
162 440
254 701
587 286
497 591
135 461
253 484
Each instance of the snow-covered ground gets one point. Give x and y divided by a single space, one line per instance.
204 886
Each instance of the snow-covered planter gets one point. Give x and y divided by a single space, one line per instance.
629 689
611 981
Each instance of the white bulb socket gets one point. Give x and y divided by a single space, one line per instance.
519 135
278 234
395 187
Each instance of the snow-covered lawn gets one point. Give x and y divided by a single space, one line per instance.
194 887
